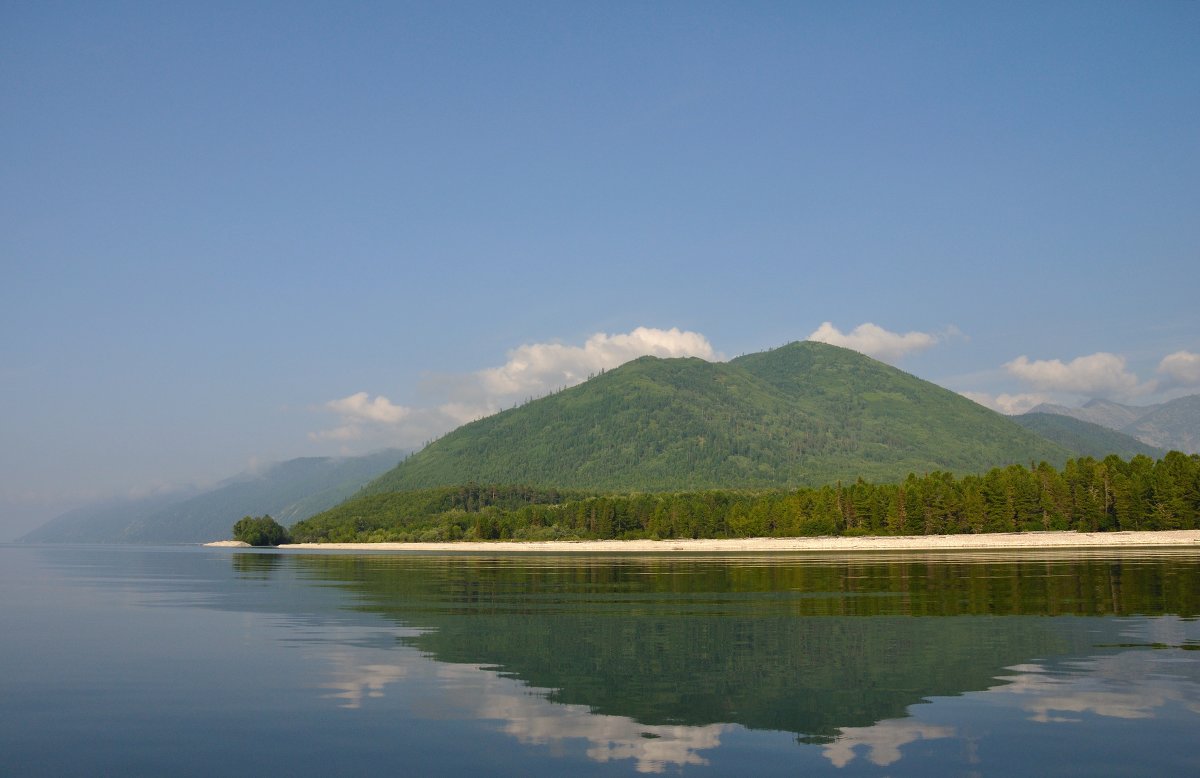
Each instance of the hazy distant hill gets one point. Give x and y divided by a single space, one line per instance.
289 491
1105 413
806 413
103 522
1085 438
1170 425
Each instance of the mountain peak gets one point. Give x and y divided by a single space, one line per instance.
803 414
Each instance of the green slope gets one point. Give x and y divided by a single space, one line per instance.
1084 438
804 414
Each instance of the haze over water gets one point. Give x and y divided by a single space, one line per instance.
196 661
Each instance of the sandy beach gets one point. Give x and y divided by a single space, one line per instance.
996 541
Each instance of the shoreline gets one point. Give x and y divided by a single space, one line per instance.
992 541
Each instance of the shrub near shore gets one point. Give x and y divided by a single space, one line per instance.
1086 495
261 531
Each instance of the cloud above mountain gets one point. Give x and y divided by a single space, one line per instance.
358 413
875 341
536 368
1181 369
1097 375
531 370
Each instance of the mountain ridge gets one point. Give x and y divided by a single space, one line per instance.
803 414
1086 438
1174 424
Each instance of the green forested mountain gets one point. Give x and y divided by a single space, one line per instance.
289 491
1085 438
804 414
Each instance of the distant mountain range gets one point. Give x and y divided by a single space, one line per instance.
1085 438
289 491
1170 425
802 415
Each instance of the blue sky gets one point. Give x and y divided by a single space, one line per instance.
228 230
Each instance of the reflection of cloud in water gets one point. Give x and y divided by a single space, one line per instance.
352 683
1128 685
1132 684
526 714
352 680
534 720
882 740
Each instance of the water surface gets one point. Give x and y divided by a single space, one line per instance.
202 661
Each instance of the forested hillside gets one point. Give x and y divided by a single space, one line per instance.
804 414
1086 495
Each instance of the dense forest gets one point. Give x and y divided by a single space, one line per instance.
1085 495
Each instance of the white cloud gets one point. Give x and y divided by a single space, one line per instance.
1098 375
358 413
1181 368
537 368
360 407
875 341
531 370
1010 404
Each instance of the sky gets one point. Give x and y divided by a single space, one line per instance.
237 233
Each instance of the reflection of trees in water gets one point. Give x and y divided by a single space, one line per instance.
806 646
255 565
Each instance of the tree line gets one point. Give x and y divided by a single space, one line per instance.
1087 495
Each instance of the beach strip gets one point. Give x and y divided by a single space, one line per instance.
993 541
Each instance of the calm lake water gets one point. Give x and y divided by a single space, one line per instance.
157 661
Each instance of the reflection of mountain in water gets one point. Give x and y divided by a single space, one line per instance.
809 676
807 646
